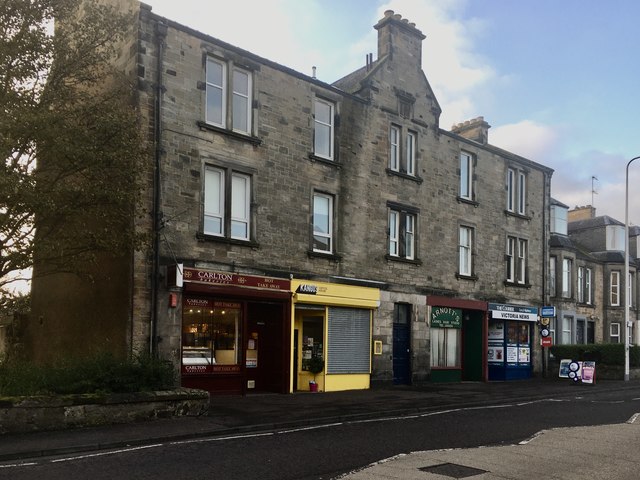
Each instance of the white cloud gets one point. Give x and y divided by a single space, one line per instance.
529 139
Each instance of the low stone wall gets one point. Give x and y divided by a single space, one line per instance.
28 414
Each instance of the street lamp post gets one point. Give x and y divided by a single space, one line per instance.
626 272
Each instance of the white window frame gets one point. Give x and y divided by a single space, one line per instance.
222 88
580 285
402 233
521 268
394 233
567 273
466 176
614 288
410 153
522 193
394 148
214 200
630 290
587 286
465 247
327 236
559 219
511 260
233 208
511 190
240 205
409 236
319 124
553 261
237 95
567 330
516 191
614 332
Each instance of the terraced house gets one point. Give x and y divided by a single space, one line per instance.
298 220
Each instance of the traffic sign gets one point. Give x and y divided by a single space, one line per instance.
548 311
546 342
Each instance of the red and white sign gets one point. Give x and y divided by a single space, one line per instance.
546 342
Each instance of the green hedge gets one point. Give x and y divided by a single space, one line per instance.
102 373
605 353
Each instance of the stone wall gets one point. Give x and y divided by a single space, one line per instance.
29 414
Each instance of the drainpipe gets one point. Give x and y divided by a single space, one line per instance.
545 261
161 33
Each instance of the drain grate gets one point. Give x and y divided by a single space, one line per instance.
452 470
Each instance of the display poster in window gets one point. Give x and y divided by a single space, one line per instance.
496 330
495 354
512 354
524 355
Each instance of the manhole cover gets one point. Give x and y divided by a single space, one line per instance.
452 470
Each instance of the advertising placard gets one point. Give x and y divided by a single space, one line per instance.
512 354
495 353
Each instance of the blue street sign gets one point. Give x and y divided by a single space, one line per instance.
547 311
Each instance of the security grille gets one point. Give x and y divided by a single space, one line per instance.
348 346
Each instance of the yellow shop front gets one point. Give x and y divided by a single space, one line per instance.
331 335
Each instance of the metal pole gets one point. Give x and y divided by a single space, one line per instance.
626 272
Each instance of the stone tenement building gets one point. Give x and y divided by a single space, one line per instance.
300 221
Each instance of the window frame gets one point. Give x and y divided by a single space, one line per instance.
394 148
465 250
227 213
331 127
517 262
223 93
248 98
411 142
466 173
402 228
567 274
614 288
516 186
330 219
630 290
553 284
616 334
229 96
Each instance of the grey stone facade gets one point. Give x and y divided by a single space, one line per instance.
391 92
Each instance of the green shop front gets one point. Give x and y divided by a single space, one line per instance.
509 341
458 339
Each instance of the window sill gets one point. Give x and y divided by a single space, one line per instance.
404 175
255 141
328 256
326 161
203 237
467 201
516 285
517 215
473 278
414 261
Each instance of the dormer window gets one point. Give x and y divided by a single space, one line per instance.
559 219
615 237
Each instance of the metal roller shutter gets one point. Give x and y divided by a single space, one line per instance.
349 338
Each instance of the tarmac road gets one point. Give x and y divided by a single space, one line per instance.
328 446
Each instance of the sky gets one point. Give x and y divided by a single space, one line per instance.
556 80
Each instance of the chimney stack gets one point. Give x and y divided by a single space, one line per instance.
476 129
581 213
396 35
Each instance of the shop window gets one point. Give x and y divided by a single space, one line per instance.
445 347
210 335
312 340
518 343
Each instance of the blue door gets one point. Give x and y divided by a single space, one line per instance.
401 345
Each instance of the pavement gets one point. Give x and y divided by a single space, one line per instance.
231 415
